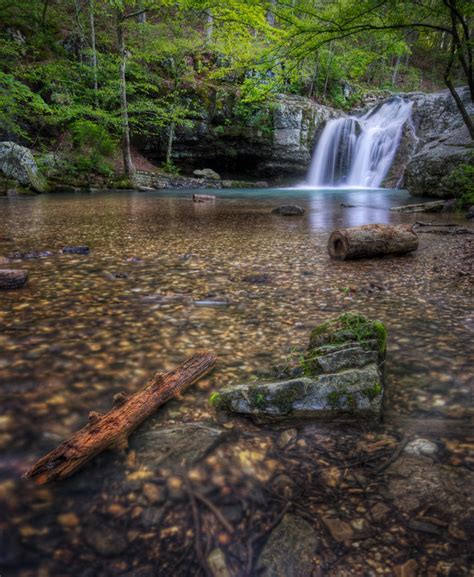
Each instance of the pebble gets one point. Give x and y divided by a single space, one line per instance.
420 447
286 437
217 563
68 520
154 494
107 541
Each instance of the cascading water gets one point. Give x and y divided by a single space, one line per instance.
358 151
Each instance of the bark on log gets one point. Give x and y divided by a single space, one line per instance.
12 279
203 197
372 240
113 428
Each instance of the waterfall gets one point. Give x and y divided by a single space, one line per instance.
358 151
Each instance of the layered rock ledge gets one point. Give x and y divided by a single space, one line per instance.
339 376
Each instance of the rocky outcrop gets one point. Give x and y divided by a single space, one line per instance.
442 144
17 163
296 123
339 377
427 170
277 145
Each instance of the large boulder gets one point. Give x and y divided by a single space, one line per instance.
443 142
427 170
340 377
17 162
207 173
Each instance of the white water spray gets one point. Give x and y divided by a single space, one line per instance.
356 151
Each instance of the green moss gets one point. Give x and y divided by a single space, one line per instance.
381 336
259 400
215 399
373 392
350 327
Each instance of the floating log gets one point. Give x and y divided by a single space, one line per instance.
372 240
203 197
12 279
113 428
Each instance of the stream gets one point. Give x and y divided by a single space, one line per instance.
166 277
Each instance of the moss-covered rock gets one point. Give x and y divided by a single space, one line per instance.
342 377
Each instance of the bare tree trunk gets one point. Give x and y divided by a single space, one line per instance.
94 52
315 77
395 70
127 156
328 71
169 147
209 26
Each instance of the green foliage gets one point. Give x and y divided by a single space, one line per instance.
460 182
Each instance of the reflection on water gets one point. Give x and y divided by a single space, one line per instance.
166 277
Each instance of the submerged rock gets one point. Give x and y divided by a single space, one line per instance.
289 210
76 250
12 279
290 549
342 377
178 446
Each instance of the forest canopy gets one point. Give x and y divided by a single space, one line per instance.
101 72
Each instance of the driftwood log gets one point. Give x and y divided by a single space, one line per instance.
203 197
372 240
12 279
112 429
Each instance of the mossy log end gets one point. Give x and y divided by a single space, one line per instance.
372 240
113 428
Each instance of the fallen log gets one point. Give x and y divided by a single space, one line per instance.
203 197
12 279
112 429
435 206
372 240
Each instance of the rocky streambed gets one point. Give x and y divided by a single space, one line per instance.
199 492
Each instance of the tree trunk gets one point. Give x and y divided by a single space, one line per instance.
371 240
169 147
395 70
12 279
209 27
94 52
113 428
127 156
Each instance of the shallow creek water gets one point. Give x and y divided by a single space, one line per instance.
166 277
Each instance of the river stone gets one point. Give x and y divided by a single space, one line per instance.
207 173
289 210
342 377
105 540
12 279
17 162
76 250
290 549
175 447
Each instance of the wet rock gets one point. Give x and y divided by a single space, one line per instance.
419 481
287 437
289 550
257 279
117 275
12 279
151 517
289 210
470 213
105 540
223 302
30 254
407 569
343 378
207 173
435 206
76 250
217 563
175 447
340 530
155 494
421 447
